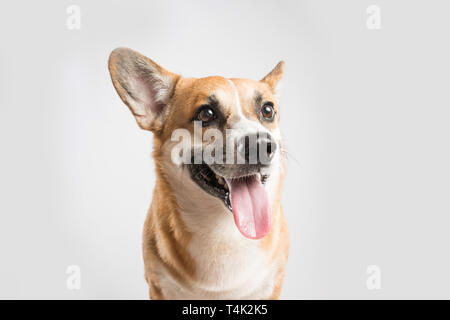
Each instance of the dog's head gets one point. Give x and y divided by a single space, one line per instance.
222 133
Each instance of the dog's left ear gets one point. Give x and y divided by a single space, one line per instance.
273 77
144 86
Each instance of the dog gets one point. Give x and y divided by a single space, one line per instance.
214 230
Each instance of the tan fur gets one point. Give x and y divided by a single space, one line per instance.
166 238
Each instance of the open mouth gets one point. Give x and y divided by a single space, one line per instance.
245 196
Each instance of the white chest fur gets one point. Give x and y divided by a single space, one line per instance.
228 266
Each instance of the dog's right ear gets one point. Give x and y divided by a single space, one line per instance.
144 86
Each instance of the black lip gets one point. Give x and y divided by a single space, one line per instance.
206 179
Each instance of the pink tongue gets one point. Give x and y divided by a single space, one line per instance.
251 207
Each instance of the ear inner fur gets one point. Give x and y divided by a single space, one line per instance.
273 77
144 86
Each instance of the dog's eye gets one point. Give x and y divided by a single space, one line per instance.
205 114
267 111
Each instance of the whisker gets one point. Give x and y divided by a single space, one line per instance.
288 155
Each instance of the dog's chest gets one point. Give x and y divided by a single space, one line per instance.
228 266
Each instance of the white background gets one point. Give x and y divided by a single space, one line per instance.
365 115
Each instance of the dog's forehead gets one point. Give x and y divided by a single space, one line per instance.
248 89
237 95
204 88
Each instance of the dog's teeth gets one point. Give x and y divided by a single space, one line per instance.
220 180
225 186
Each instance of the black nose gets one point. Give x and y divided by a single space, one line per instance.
256 149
